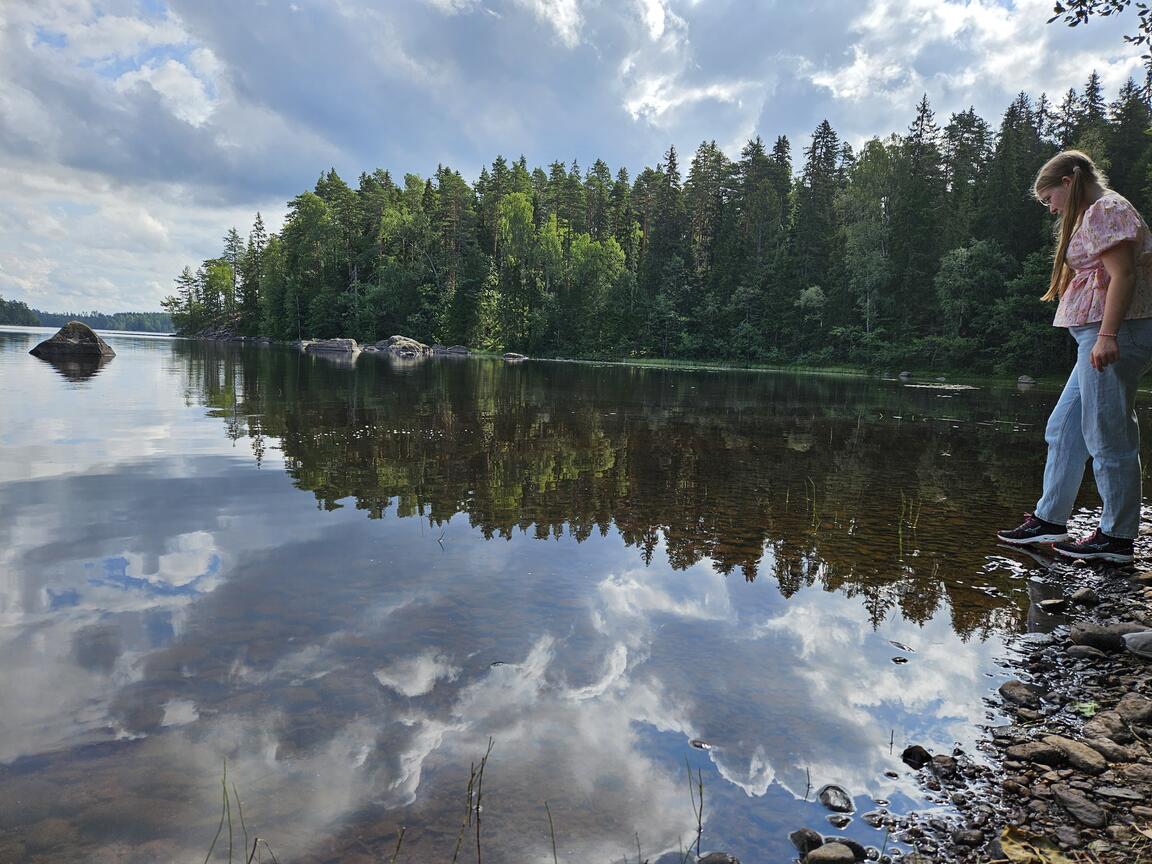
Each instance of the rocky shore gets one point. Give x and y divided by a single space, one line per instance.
1069 779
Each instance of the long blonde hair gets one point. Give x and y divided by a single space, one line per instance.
1084 173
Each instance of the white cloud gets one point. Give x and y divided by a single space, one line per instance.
563 16
184 93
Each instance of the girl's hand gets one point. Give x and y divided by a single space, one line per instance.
1104 353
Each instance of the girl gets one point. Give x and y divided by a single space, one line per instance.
1102 280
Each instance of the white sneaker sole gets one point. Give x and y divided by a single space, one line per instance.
1039 538
1113 557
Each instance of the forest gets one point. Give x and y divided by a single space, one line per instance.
922 250
18 313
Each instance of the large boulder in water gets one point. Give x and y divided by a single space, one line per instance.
337 346
73 340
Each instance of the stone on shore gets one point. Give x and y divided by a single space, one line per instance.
1095 636
74 339
1079 756
1079 807
403 346
1038 753
1135 709
513 357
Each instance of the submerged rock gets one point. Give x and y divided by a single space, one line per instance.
836 799
74 339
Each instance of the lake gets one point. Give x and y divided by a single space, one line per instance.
341 582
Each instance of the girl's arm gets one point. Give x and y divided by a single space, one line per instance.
1120 262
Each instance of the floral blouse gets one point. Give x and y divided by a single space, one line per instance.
1111 219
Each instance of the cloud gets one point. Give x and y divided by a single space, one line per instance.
200 112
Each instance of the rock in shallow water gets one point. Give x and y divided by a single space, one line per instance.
916 757
836 799
831 853
805 840
1019 693
74 339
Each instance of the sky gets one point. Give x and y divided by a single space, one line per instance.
135 133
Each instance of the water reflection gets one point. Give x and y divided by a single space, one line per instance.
570 586
77 369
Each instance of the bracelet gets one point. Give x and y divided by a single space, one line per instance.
1109 335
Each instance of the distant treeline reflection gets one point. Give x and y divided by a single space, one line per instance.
813 479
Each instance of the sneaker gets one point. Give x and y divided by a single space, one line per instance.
1098 547
1034 530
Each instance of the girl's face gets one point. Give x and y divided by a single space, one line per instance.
1055 198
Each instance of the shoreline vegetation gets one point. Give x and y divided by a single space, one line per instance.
921 250
19 314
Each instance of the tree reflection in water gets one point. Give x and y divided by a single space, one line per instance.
860 485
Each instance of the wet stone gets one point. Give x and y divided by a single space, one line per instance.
805 840
1085 597
1037 752
831 853
916 756
1086 652
968 837
1019 693
839 820
1097 636
836 799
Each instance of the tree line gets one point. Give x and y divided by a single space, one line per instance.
923 250
18 313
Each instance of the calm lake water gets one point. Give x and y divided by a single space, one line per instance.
344 580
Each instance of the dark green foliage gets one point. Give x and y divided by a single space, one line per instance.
924 249
137 322
17 313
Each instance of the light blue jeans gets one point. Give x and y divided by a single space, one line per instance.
1095 417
